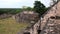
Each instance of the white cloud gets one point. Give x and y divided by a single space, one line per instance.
10 0
17 3
46 2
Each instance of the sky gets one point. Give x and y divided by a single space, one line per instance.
20 3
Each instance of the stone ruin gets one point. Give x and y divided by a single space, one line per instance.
27 17
49 22
2 16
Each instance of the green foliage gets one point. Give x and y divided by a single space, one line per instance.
39 8
27 8
11 11
14 11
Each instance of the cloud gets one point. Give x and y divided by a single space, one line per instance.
18 3
15 3
46 2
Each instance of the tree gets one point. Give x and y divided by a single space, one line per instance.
39 8
29 8
10 11
53 2
26 8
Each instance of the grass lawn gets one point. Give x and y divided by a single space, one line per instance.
10 26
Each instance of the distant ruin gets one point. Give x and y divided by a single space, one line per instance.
27 17
2 16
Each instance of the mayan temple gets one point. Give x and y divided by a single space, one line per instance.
49 22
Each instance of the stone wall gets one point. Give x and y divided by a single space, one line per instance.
51 13
27 17
2 16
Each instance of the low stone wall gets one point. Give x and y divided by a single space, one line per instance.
2 16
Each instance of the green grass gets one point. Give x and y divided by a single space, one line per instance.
10 26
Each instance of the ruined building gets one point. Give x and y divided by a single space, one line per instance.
27 17
49 22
